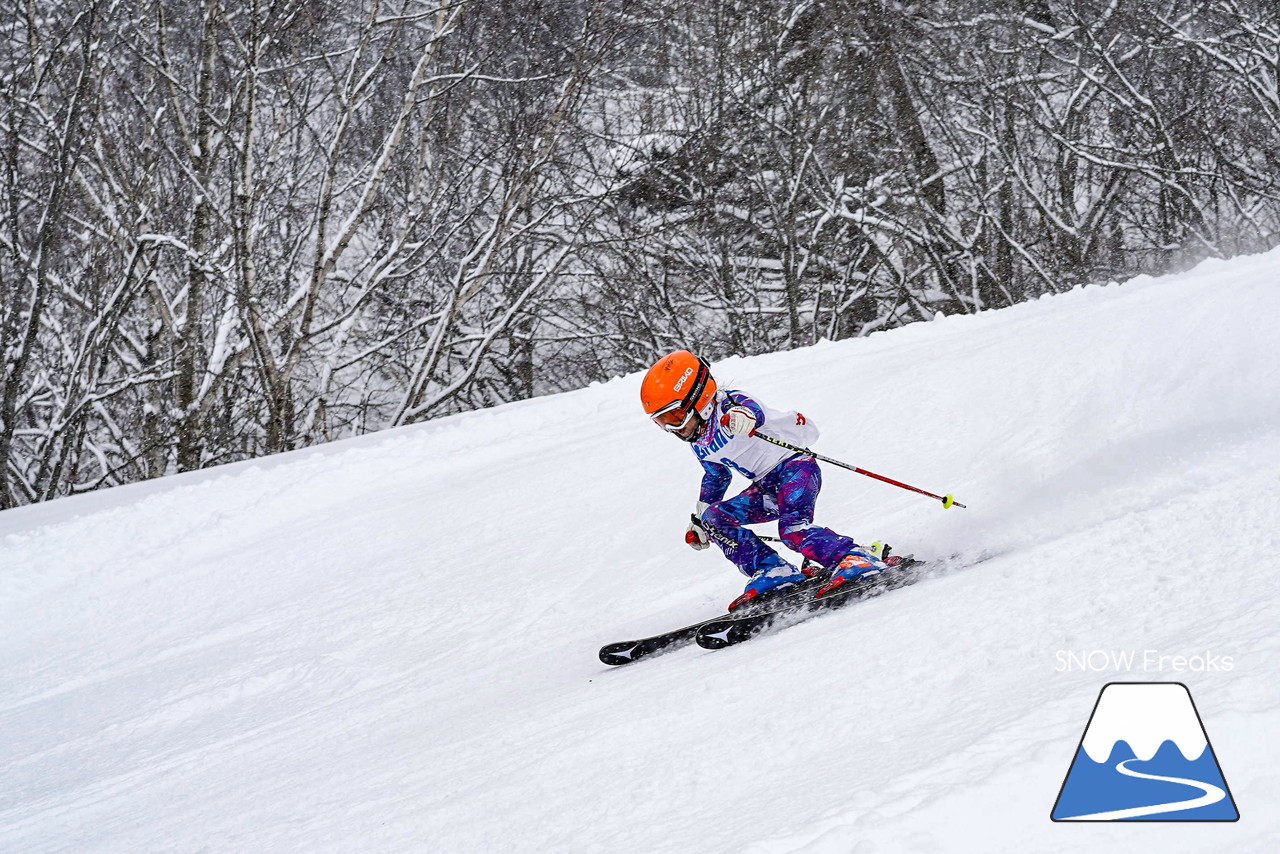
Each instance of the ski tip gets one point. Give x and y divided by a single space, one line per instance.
615 654
732 631
717 635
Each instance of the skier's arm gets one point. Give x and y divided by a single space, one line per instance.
715 480
788 426
743 416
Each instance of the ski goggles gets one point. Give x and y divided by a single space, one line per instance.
675 416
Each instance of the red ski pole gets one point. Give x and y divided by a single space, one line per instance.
948 501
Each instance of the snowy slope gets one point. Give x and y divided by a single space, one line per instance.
389 644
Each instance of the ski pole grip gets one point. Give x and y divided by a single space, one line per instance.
690 536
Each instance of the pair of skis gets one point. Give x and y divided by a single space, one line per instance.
731 629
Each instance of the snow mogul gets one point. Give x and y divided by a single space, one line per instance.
723 427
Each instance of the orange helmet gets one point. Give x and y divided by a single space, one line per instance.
677 387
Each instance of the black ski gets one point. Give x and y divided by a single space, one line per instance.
625 652
734 629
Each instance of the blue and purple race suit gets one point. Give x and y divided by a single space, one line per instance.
785 487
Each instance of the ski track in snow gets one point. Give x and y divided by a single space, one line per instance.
389 644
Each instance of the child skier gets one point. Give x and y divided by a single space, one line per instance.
681 396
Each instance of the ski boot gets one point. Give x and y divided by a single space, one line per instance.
767 584
882 552
861 564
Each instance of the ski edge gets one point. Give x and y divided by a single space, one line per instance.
733 630
629 651
612 653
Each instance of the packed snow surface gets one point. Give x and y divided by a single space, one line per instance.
389 644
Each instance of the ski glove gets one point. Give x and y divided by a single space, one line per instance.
696 535
738 421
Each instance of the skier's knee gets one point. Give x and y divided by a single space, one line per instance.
717 517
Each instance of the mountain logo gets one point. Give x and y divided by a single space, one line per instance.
1144 756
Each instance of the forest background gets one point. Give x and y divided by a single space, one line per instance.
230 229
